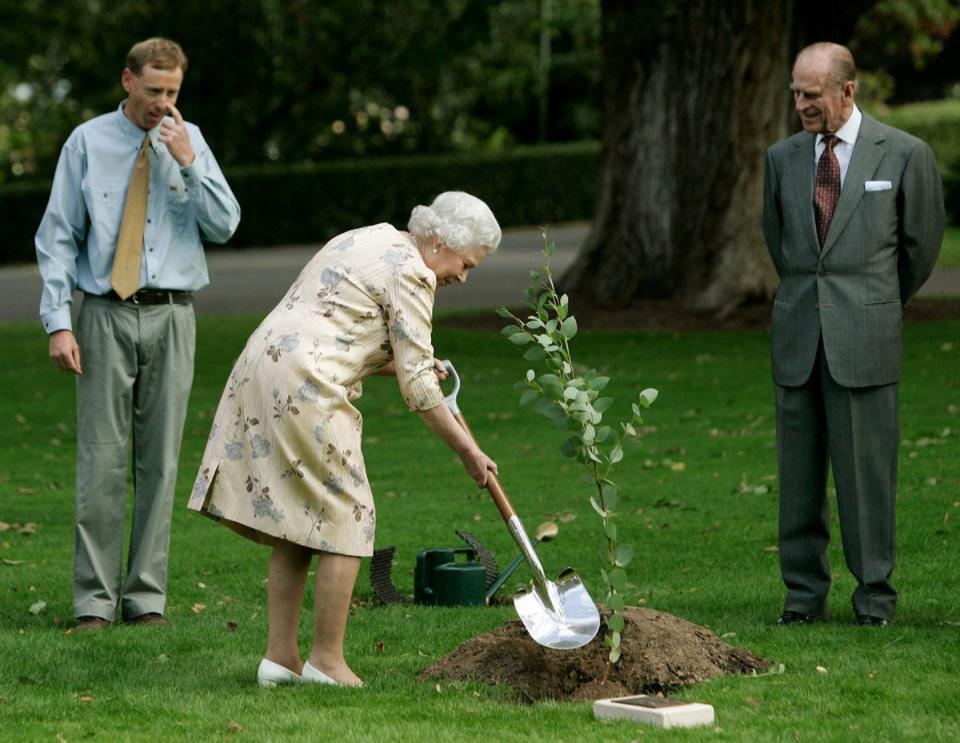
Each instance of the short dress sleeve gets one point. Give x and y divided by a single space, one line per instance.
408 307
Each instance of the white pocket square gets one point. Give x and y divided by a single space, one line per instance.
877 186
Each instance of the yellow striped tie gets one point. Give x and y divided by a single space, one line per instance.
125 277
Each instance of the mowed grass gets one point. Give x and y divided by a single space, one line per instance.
950 250
699 505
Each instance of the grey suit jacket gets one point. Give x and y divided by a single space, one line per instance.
881 247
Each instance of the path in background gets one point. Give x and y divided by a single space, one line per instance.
253 280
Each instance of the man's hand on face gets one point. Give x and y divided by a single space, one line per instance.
174 135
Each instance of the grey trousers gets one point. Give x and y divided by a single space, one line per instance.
137 373
857 431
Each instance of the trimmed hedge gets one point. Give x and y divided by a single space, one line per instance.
311 203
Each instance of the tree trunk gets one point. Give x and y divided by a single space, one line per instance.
694 92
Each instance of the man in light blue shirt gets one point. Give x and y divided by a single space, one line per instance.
133 357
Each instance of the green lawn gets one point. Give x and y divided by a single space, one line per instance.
699 504
950 252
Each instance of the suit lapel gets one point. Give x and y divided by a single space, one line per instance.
800 177
867 154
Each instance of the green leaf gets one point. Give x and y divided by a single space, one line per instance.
531 374
615 653
598 383
624 555
550 249
597 508
615 602
534 275
534 353
520 339
504 313
602 403
603 433
610 529
648 397
570 393
610 496
511 330
616 454
618 579
569 327
570 447
556 414
615 623
528 397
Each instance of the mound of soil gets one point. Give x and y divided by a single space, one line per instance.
661 653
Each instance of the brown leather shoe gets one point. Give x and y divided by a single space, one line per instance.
88 623
149 618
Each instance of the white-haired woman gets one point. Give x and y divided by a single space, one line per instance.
283 464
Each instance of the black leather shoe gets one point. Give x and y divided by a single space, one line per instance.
865 620
795 617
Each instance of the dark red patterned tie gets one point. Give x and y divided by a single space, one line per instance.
826 191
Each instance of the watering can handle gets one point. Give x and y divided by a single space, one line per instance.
497 492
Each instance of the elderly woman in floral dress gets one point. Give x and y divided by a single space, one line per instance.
283 465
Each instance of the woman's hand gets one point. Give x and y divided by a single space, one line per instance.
478 465
439 370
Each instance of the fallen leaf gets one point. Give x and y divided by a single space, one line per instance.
771 548
235 727
163 658
678 466
437 688
20 418
379 647
38 607
197 608
86 699
28 528
24 490
752 701
821 669
201 585
230 626
61 738
4 526
14 562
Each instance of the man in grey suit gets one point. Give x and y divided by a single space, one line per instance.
853 218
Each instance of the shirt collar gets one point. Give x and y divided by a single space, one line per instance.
134 133
849 131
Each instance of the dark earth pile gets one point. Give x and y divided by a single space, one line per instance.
661 653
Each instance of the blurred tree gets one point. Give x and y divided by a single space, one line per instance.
298 80
693 93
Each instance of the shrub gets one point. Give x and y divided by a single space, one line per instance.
284 204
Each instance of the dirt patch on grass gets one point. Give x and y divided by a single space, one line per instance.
661 653
671 315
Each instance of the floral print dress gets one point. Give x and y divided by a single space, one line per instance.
283 461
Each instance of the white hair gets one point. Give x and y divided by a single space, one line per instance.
459 221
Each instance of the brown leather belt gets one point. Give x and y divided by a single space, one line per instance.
153 296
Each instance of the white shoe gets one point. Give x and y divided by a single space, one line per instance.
311 675
271 674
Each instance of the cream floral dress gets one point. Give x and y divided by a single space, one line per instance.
283 461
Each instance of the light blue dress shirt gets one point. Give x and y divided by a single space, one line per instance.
78 234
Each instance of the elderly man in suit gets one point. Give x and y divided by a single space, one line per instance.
853 218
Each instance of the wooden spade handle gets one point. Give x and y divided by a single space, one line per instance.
493 483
